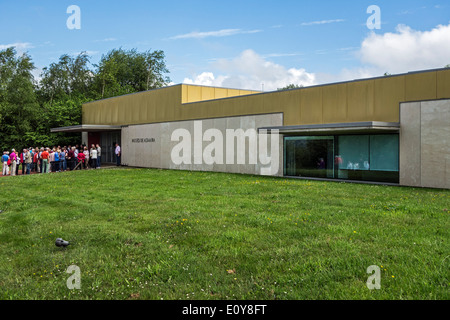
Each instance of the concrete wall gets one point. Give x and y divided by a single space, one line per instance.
425 144
151 145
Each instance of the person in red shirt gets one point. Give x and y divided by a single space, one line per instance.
36 160
82 158
44 157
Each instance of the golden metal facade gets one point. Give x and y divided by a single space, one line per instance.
375 99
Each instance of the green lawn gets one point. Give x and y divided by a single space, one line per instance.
155 234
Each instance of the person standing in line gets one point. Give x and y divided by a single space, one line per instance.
93 156
13 158
118 154
48 163
62 159
40 159
99 156
44 157
17 165
70 158
36 160
86 157
56 153
31 152
28 161
81 160
5 158
22 161
51 160
75 154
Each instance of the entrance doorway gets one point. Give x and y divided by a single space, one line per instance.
108 142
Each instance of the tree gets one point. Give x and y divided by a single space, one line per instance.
18 103
69 76
290 86
28 110
127 71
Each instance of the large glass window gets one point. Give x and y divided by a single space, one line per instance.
352 157
384 152
353 152
309 156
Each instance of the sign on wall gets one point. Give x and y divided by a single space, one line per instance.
143 140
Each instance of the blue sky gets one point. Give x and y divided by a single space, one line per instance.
240 43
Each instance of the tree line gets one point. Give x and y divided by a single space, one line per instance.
29 108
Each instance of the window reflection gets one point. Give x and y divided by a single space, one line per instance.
310 156
352 157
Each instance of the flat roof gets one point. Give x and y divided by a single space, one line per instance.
86 128
349 127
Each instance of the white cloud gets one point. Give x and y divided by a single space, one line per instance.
106 40
37 74
278 55
395 52
250 71
312 23
206 79
20 46
348 74
218 33
407 49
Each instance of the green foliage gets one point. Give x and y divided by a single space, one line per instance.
70 76
18 103
291 86
122 72
28 110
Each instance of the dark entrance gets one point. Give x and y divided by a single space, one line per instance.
108 142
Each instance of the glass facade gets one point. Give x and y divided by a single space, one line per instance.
309 156
352 157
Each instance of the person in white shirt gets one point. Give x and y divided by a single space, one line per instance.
99 156
118 154
93 157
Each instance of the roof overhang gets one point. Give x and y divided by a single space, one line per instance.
87 128
338 128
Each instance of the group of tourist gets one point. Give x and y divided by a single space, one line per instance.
56 159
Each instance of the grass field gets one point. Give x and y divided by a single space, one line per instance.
155 234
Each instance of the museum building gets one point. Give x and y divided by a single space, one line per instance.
392 129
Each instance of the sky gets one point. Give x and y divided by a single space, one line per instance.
247 44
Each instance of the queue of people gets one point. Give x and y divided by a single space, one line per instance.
56 159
